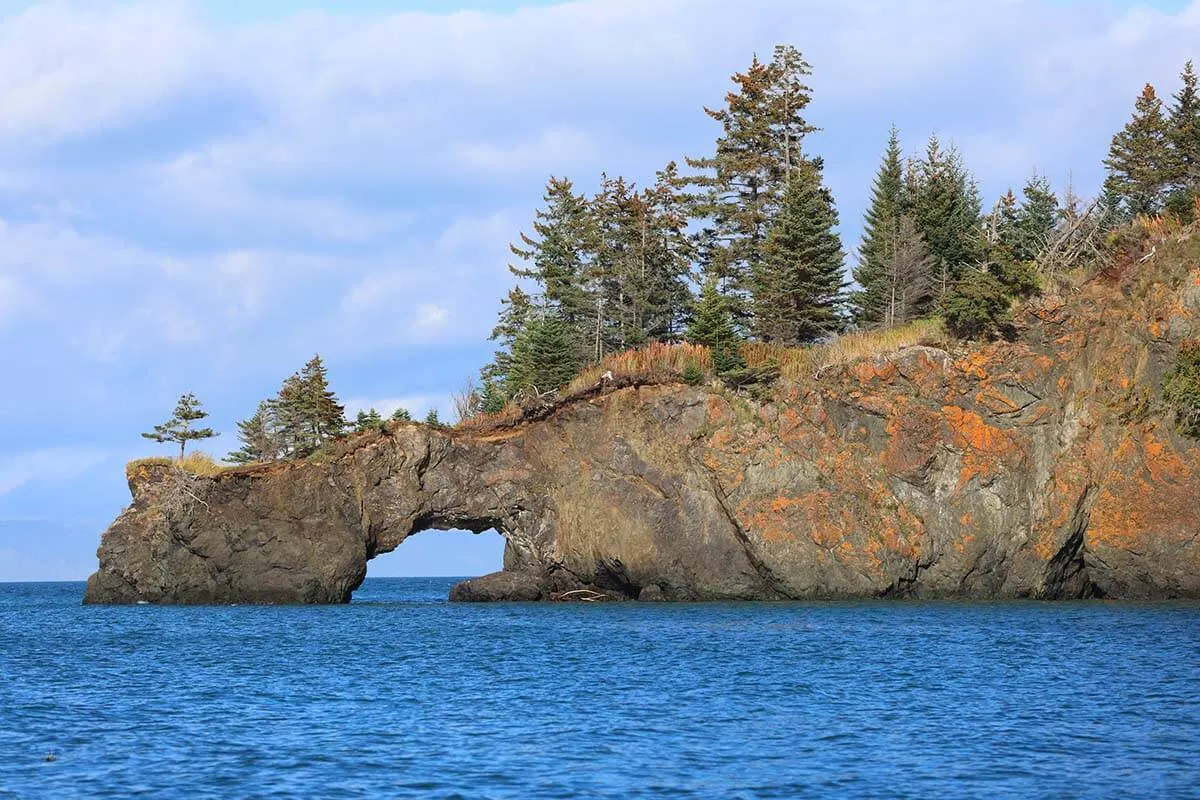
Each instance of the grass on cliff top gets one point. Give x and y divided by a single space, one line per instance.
198 463
666 363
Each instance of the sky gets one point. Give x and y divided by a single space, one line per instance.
200 196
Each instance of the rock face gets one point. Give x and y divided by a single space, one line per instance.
1035 468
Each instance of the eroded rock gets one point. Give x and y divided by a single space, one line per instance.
1005 472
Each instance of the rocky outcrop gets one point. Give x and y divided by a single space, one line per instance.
1037 468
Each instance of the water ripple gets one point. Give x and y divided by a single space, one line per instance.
403 695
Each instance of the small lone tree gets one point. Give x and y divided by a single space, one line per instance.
179 427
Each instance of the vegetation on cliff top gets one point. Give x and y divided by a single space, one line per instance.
753 229
731 269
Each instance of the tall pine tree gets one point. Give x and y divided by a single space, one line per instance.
1183 136
741 185
558 258
306 412
880 227
1139 160
943 201
798 286
1036 219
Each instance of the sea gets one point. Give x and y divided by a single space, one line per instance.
401 694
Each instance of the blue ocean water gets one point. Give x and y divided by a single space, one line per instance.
401 694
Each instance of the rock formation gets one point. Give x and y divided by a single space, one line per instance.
1043 467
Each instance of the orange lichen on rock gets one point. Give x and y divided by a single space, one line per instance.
1150 496
881 370
914 431
986 449
974 365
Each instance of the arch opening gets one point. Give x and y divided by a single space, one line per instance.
429 562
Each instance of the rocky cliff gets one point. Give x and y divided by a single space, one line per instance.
1043 467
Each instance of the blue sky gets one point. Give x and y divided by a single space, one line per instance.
194 197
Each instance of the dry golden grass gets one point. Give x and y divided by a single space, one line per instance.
669 362
656 360
797 363
197 463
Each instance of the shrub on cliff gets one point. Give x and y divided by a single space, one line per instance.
1181 388
977 307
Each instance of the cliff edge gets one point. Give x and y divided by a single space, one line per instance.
1044 467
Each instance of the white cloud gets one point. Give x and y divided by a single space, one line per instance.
57 465
66 71
431 318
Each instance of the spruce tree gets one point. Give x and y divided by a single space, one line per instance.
943 200
259 438
880 226
1035 219
179 427
1012 231
741 185
1183 137
1139 160
798 287
544 358
669 253
326 415
712 326
558 258
515 311
619 278
307 413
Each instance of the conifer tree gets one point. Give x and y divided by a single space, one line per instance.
619 277
544 357
943 201
904 284
1035 219
515 311
326 415
741 185
1139 160
798 287
1011 231
880 226
260 440
307 413
670 253
401 415
638 278
492 396
712 326
179 427
1183 137
367 421
558 259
